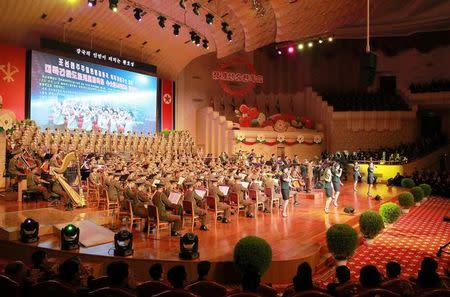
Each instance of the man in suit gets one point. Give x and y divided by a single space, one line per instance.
161 202
215 192
197 201
249 206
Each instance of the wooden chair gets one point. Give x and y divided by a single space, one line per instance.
114 205
151 288
93 194
189 213
130 214
274 198
437 293
234 202
378 293
51 288
102 197
212 206
207 289
253 195
8 287
110 292
176 293
311 293
153 216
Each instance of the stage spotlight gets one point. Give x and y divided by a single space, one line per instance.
189 247
182 4
70 236
209 18
349 210
92 3
205 43
29 231
138 14
330 39
113 5
310 44
290 49
196 8
279 52
300 46
230 36
162 21
320 40
176 29
225 27
123 243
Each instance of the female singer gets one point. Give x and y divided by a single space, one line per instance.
285 185
328 187
356 175
370 177
336 180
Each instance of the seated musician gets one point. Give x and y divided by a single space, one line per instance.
263 198
58 189
197 201
173 187
249 206
161 202
94 178
34 183
215 192
13 167
114 187
132 194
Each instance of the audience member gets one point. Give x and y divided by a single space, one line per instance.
427 277
69 273
342 277
393 270
203 268
156 272
251 279
40 269
177 276
118 273
369 277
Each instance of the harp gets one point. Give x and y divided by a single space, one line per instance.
76 197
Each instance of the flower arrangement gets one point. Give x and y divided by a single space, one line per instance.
7 120
300 139
260 139
240 137
281 138
317 139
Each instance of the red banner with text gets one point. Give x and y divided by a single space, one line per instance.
167 105
12 79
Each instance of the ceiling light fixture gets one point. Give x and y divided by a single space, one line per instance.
230 36
205 43
176 29
182 4
193 36
209 18
162 21
310 44
113 5
92 3
300 46
225 27
196 8
138 14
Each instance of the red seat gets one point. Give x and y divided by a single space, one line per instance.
398 286
98 283
207 288
437 293
110 292
349 289
51 288
234 201
8 287
244 294
176 293
378 293
267 291
151 288
311 293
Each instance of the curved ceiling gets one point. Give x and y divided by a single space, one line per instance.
284 20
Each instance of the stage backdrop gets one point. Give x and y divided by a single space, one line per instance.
12 79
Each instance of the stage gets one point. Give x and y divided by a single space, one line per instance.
299 237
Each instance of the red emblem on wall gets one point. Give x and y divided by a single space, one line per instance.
167 98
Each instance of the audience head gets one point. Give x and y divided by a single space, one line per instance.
15 270
369 276
342 274
177 276
203 268
393 269
155 272
117 273
303 280
251 279
39 258
69 270
428 276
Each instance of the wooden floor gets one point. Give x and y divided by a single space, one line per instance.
299 237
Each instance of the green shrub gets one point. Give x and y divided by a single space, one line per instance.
408 183
426 189
406 199
390 212
342 241
417 193
370 224
252 251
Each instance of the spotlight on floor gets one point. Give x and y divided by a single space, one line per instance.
138 14
70 237
123 243
189 247
29 231
113 5
92 3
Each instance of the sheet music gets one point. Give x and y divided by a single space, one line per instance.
174 197
258 182
201 193
181 180
156 181
245 184
224 189
242 175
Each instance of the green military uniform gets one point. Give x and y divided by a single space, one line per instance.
218 196
161 202
33 184
249 206
12 168
137 205
196 200
114 189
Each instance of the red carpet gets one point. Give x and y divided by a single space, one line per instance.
414 236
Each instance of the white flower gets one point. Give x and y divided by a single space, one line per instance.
300 139
317 139
7 119
240 137
280 138
260 138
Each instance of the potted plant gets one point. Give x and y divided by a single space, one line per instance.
407 183
406 201
370 224
426 191
341 241
252 251
390 212
418 194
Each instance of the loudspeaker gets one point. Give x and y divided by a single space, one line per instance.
368 68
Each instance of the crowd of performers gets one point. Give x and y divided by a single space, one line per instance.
146 169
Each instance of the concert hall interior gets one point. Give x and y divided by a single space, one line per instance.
208 148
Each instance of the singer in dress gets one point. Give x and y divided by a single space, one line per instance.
356 175
336 180
370 177
285 187
328 187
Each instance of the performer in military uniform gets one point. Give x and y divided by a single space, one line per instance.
356 175
161 202
249 206
328 187
257 188
197 201
34 182
215 192
137 199
336 179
